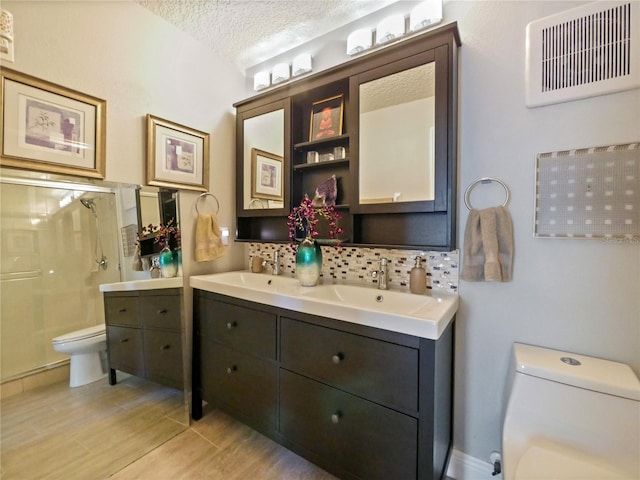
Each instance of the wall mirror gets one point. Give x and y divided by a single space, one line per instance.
55 230
264 161
157 205
397 137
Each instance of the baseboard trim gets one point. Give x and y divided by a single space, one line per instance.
466 467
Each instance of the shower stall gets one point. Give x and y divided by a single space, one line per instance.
59 241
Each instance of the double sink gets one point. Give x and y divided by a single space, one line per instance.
425 316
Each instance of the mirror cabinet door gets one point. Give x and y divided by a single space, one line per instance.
397 154
263 160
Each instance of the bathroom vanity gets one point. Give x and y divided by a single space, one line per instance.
144 330
361 401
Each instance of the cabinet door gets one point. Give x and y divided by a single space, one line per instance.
368 440
251 331
163 357
244 386
124 346
161 311
121 310
380 371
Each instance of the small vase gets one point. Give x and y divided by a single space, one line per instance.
308 262
168 264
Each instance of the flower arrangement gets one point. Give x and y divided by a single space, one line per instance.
162 234
305 217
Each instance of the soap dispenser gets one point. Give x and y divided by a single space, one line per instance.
418 278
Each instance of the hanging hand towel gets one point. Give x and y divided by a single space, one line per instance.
208 239
488 246
136 263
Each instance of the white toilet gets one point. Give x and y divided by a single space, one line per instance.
87 348
570 417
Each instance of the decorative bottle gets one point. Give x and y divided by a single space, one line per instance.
418 278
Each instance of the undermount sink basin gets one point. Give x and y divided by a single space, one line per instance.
424 316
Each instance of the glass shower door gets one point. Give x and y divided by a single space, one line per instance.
57 245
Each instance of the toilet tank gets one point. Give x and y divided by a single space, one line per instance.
589 405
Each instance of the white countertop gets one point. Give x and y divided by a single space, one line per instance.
146 284
425 316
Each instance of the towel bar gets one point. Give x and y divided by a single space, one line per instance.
467 192
207 194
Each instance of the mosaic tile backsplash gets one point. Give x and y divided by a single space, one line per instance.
356 264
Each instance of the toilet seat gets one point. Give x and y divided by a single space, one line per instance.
82 334
544 462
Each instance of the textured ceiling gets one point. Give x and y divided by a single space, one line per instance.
248 32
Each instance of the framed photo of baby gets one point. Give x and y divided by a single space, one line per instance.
326 118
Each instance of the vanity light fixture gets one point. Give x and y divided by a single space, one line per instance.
425 14
301 64
358 41
280 73
261 80
390 28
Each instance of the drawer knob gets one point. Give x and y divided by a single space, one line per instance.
335 418
232 325
124 340
122 310
165 347
232 369
337 358
162 312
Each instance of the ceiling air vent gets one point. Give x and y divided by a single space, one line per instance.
583 52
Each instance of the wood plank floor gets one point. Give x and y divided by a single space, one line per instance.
133 430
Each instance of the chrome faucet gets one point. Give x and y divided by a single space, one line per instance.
275 263
382 275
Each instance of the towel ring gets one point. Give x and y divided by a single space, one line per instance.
206 194
257 200
485 180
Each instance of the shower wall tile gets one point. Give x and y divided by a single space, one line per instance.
357 264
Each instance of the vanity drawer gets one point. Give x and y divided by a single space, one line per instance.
121 310
163 357
240 384
124 345
366 439
251 331
161 311
380 371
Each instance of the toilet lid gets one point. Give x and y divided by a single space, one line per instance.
543 463
81 334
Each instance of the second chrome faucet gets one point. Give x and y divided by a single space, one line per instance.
275 263
382 275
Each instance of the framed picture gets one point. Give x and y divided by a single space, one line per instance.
326 118
177 156
266 175
51 128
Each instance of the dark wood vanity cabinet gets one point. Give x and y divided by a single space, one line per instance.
393 207
236 368
144 335
360 402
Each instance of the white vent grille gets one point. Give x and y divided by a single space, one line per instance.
583 52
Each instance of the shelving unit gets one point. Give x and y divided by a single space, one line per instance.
419 224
